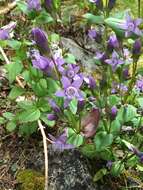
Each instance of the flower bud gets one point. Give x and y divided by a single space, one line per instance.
52 117
111 4
48 3
93 34
114 111
137 49
34 4
112 42
40 38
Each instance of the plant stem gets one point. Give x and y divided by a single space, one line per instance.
139 8
41 127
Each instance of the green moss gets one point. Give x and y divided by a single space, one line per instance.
30 180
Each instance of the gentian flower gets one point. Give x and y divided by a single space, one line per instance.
113 42
48 3
34 4
5 31
40 39
71 71
122 88
93 34
114 61
90 81
101 56
59 61
126 73
139 84
111 4
60 143
131 26
71 90
114 111
43 63
54 106
52 117
137 49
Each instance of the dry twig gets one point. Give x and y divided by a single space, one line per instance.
41 127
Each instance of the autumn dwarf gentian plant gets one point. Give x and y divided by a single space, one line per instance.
100 112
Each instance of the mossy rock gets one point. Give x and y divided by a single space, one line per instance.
30 180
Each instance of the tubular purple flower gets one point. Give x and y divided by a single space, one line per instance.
52 117
139 84
40 38
137 49
48 3
126 73
114 61
71 71
90 81
131 26
70 90
114 111
42 63
34 5
93 34
112 42
60 143
5 31
54 106
111 4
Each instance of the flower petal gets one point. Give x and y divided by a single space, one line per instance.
65 82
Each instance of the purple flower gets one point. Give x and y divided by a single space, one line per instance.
113 42
131 26
71 71
90 81
111 4
101 56
93 34
48 3
60 143
109 164
54 106
59 61
42 63
52 117
40 38
122 87
114 111
114 61
126 73
34 4
139 84
71 90
137 48
5 31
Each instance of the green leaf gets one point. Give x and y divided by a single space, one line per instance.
115 127
126 113
14 44
11 126
44 18
70 59
15 92
2 120
140 102
99 175
93 19
26 104
14 69
113 100
46 121
103 140
89 150
8 115
74 138
73 106
28 129
117 168
29 115
22 6
40 88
